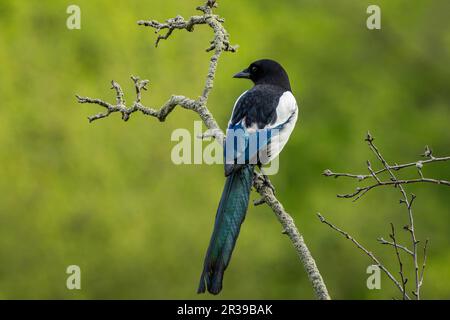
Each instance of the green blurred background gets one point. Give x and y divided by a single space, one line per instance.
106 196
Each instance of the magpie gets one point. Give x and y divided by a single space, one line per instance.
261 122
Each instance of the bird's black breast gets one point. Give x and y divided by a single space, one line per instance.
258 106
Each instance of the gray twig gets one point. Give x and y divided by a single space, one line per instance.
360 191
367 252
398 183
408 203
383 241
425 247
402 277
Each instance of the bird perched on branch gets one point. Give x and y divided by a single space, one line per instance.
261 122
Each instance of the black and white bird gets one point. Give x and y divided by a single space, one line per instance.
262 120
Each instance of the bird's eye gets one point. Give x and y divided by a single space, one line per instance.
254 69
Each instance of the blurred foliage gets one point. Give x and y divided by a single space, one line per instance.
106 196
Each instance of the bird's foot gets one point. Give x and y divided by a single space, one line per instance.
261 177
256 177
267 183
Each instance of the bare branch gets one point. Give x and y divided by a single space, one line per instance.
290 229
219 44
360 191
424 262
419 164
399 184
126 112
171 24
367 252
402 277
372 173
408 204
385 242
393 181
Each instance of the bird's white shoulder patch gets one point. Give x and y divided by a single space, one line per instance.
287 114
287 106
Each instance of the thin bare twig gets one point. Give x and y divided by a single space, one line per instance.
383 241
425 247
397 167
219 44
367 252
399 184
361 191
372 173
402 277
408 204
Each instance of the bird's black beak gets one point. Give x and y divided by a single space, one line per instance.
242 75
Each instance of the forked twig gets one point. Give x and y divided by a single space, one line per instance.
407 201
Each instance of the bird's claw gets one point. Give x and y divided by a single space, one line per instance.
262 178
268 184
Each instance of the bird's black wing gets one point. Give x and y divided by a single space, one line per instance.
257 106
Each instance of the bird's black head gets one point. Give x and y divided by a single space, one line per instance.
266 71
